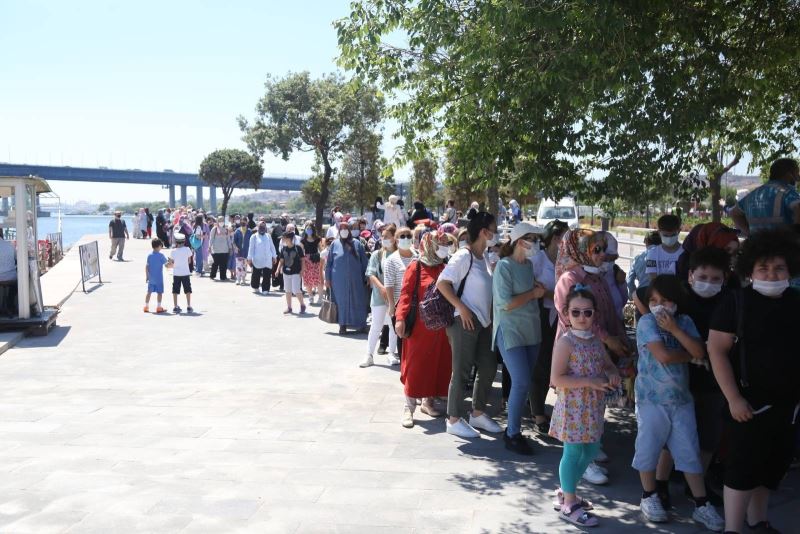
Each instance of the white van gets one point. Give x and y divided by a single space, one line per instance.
564 210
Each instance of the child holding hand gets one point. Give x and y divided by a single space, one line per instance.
583 374
154 275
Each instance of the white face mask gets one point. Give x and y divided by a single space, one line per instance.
706 289
462 244
669 240
404 243
492 241
443 251
531 249
583 334
344 234
771 289
387 243
492 257
591 269
660 308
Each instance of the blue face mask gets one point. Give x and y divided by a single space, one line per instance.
309 232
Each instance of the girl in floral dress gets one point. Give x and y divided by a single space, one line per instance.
582 373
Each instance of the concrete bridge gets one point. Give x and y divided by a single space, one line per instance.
166 178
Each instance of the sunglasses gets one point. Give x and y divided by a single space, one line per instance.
409 236
530 239
577 313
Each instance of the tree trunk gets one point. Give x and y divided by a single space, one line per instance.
492 198
361 185
226 196
715 183
324 191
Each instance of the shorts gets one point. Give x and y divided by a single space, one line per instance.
709 411
759 451
292 285
671 426
178 281
155 287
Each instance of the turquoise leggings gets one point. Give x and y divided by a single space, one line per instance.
574 461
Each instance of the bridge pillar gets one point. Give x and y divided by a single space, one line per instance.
183 196
5 205
171 196
212 199
200 197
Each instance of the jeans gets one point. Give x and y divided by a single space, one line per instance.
262 277
379 319
470 347
575 458
220 262
544 362
198 260
520 362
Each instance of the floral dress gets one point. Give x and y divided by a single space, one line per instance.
578 412
312 275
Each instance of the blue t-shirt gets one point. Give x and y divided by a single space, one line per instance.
155 267
659 383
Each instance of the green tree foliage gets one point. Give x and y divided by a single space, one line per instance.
322 116
543 95
228 169
359 181
423 180
102 207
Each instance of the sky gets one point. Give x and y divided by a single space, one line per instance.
148 85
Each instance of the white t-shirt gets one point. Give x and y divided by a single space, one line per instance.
544 272
180 256
659 261
477 294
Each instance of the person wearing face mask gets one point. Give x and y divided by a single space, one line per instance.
516 329
759 375
582 373
668 340
241 243
467 284
463 239
637 275
394 269
312 268
380 297
544 272
425 367
663 259
776 204
344 276
261 257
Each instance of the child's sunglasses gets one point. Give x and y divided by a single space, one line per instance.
577 313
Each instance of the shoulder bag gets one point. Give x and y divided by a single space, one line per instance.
435 310
411 316
328 312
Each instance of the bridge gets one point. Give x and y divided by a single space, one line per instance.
166 179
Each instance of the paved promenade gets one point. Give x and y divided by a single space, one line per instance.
238 419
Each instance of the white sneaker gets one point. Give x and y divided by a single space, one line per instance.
461 429
367 362
593 475
484 422
601 457
408 417
652 509
392 359
600 468
707 515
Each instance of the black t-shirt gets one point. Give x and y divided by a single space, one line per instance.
118 228
770 341
292 259
701 310
310 247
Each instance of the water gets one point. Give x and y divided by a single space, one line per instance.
74 226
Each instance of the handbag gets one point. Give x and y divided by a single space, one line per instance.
435 310
328 313
411 316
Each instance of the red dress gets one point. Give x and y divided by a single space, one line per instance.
426 364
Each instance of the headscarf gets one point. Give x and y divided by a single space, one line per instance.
449 228
427 248
574 249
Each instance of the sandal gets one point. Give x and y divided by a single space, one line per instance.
559 502
763 526
578 516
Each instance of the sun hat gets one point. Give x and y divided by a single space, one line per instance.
179 237
522 229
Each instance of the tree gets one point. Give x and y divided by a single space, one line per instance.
298 113
228 169
423 180
102 207
542 95
360 179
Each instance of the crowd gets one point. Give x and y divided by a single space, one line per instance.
717 378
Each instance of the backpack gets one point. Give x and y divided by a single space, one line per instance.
435 310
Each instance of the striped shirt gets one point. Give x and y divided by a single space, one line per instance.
393 270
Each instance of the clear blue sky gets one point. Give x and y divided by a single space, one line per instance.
145 84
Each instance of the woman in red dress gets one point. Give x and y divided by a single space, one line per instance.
426 364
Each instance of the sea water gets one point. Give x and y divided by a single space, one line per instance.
73 227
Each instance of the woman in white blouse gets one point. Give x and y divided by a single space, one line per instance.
544 271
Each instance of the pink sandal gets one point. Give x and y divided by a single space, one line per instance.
559 502
578 516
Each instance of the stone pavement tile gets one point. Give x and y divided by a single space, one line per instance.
313 528
104 523
362 514
394 498
386 464
234 509
38 523
447 520
206 525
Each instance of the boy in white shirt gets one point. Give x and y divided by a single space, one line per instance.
181 274
663 259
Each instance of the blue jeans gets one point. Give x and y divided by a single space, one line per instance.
520 362
198 260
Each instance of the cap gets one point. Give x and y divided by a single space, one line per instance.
179 236
522 229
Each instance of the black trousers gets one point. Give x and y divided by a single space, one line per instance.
261 277
220 262
399 341
384 342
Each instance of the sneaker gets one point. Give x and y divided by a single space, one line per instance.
601 457
600 468
461 429
707 516
518 444
408 417
367 362
484 422
146 309
593 475
665 498
189 309
652 509
160 310
392 359
429 409
176 309
763 526
287 311
382 351
302 310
